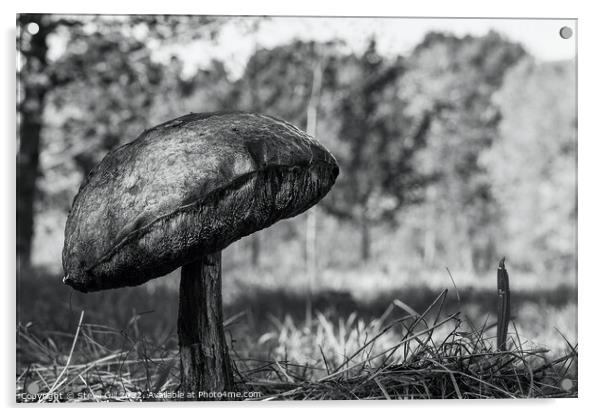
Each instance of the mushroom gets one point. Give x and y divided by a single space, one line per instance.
178 195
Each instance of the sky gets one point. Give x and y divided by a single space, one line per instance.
236 43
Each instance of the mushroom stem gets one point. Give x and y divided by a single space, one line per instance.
204 359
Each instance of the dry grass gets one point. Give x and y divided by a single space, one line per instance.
399 355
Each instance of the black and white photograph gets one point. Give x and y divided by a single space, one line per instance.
295 208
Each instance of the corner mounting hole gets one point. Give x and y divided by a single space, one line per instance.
33 28
566 32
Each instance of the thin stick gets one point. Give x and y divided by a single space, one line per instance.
503 305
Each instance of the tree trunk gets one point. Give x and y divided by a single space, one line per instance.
430 237
255 249
27 173
204 359
31 107
365 229
311 262
311 256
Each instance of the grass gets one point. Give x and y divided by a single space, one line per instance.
399 354
432 357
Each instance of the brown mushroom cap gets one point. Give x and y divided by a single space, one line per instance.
187 188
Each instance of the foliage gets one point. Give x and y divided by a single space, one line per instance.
278 81
461 75
418 136
538 196
379 173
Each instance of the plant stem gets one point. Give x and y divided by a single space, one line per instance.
503 310
205 363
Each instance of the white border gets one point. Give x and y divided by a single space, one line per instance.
590 153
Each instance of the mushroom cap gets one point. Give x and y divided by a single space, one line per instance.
187 188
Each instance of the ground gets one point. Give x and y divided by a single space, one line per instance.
371 341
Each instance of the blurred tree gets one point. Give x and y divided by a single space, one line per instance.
460 74
209 89
278 81
34 82
377 144
533 166
96 93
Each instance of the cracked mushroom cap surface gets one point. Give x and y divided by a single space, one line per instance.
187 188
